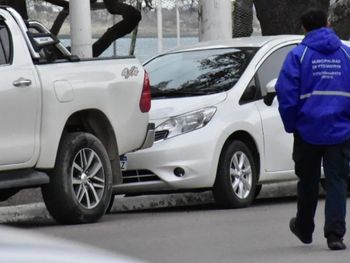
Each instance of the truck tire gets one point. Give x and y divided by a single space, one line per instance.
80 185
110 205
236 179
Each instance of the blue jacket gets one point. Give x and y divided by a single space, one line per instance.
313 89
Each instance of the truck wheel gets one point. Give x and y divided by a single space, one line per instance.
80 185
110 205
235 185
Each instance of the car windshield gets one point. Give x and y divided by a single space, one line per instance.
199 72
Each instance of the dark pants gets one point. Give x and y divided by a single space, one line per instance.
131 18
308 160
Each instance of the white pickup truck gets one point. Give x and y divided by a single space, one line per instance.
64 121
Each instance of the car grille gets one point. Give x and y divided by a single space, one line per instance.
161 135
137 176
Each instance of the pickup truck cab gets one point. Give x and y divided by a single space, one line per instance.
65 121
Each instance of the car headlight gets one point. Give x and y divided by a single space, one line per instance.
186 122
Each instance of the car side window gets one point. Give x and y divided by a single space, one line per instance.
271 67
5 44
251 93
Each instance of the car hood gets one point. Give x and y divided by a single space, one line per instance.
163 109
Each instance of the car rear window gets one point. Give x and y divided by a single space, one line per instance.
200 72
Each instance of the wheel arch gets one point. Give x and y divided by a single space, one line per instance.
249 140
96 122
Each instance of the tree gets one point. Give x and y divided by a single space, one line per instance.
242 18
340 18
283 16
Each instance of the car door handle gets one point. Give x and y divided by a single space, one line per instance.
22 82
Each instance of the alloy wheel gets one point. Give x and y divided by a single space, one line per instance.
241 175
88 178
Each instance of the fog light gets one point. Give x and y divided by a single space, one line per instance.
179 172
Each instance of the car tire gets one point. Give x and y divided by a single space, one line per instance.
258 189
80 185
236 179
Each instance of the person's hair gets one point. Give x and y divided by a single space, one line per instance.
314 19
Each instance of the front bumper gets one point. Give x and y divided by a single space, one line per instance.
197 153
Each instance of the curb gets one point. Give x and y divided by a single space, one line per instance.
36 212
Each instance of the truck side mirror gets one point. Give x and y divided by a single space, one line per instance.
271 92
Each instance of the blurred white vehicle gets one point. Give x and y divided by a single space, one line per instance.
217 126
23 246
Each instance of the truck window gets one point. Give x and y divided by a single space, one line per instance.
5 44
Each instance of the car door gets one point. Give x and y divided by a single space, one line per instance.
277 143
19 98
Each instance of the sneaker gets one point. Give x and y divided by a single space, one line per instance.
335 243
303 238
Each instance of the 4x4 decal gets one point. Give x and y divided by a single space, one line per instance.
132 72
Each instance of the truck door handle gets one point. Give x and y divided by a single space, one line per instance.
22 82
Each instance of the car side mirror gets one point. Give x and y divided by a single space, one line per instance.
271 92
270 86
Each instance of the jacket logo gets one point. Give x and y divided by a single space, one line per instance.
132 72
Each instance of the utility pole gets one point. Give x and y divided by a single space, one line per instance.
160 25
80 28
178 27
215 19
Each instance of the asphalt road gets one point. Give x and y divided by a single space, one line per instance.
198 233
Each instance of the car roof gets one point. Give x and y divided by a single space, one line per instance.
254 41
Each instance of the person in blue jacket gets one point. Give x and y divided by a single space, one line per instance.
313 90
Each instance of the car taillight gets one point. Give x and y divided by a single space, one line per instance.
145 100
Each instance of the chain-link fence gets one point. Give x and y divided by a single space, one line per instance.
244 20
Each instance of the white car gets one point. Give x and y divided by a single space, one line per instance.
24 246
216 124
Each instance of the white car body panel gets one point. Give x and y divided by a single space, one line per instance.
103 90
196 152
163 108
